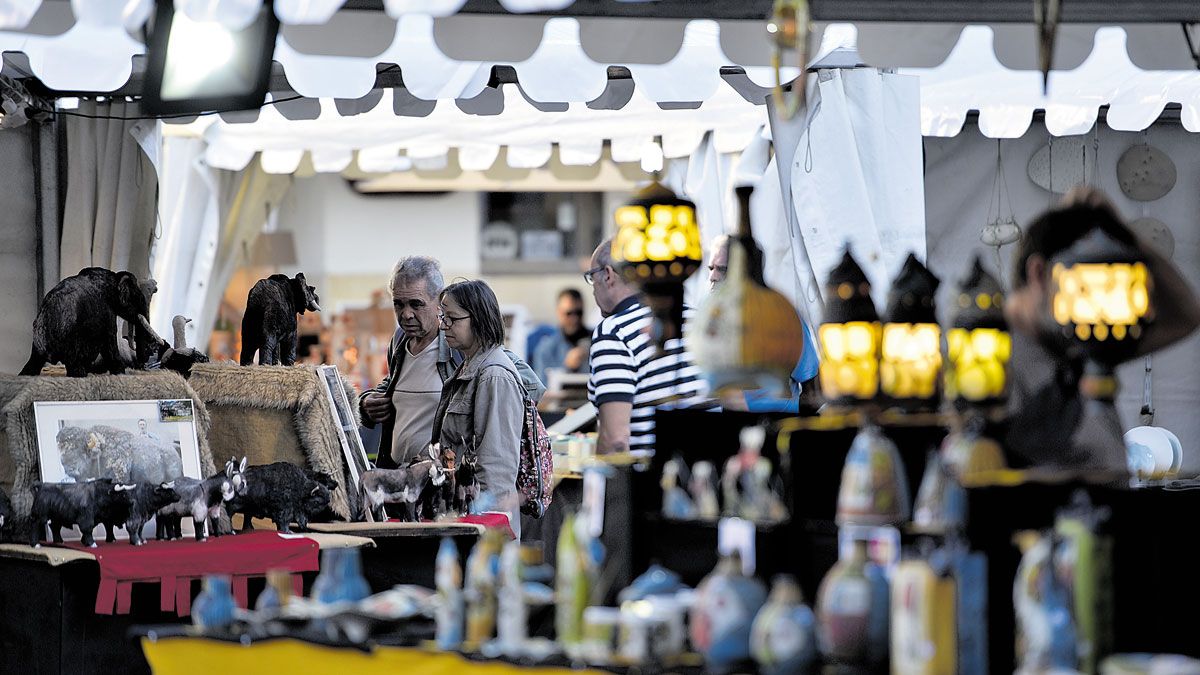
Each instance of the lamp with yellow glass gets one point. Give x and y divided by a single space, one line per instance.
978 343
1101 291
849 337
910 361
657 247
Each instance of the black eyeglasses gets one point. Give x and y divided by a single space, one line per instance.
574 312
448 321
590 275
723 269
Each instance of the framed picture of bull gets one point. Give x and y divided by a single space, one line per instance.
128 441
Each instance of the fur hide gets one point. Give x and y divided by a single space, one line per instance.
230 391
17 395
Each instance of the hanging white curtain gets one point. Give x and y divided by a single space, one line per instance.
109 215
856 176
210 220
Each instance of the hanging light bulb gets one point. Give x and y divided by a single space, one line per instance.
911 357
849 336
657 247
748 336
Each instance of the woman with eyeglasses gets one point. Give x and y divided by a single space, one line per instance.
482 405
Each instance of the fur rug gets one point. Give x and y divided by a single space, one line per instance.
246 403
19 429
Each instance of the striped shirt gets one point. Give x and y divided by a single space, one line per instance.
626 368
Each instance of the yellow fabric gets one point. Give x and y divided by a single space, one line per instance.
188 656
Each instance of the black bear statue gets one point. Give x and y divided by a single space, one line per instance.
269 325
76 324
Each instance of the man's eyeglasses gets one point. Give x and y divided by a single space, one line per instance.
590 275
574 312
448 321
722 269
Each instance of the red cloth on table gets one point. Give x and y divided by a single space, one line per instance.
489 519
175 564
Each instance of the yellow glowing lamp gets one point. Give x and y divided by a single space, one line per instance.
978 345
849 337
657 247
1101 296
910 362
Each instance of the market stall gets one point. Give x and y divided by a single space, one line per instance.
928 505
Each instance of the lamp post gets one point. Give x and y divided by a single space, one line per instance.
911 355
657 247
849 337
1101 298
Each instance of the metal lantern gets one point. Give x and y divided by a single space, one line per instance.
849 336
746 335
1101 297
911 350
657 247
978 343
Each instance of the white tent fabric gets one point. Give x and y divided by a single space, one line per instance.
857 174
1006 104
378 136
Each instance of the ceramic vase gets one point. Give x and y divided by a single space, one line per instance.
214 606
783 639
725 605
874 489
448 579
746 335
483 570
572 587
970 454
852 611
277 593
941 502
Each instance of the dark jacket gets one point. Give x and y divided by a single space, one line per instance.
448 361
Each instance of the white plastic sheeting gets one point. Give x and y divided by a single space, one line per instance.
379 137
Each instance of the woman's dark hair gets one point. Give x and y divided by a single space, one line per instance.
478 300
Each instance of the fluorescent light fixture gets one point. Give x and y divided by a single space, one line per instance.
198 66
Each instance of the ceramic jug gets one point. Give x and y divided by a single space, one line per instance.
448 580
852 611
783 639
725 605
874 489
214 606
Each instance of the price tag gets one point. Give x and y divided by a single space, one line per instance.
593 500
737 535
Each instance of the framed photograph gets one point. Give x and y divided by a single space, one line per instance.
343 419
127 441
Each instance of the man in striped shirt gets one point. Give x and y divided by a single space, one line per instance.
629 376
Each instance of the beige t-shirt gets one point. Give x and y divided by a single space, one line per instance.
415 399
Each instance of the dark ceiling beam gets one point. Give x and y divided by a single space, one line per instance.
1005 11
924 11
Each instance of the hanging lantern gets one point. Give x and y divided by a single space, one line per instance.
978 343
1101 297
911 356
657 247
748 336
849 337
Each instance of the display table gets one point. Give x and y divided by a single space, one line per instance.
48 620
199 656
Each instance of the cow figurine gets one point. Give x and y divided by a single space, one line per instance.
66 504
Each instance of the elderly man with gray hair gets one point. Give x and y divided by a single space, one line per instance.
419 361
